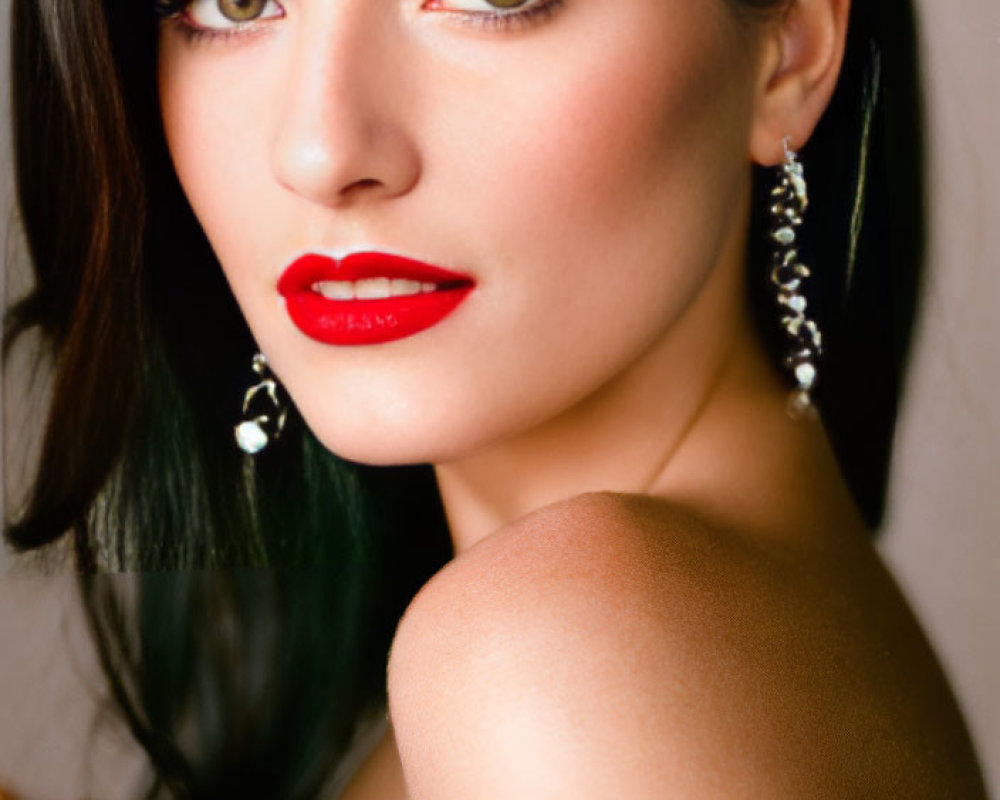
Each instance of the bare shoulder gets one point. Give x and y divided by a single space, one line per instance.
615 645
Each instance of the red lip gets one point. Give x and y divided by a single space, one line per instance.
369 320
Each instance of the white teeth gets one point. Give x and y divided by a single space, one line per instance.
335 290
371 288
401 286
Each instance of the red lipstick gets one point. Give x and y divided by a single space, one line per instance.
368 298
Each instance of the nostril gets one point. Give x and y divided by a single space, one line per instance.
362 186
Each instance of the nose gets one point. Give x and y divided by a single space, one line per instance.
342 136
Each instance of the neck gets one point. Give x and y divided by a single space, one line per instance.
623 438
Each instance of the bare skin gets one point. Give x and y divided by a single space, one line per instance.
662 587
669 656
654 645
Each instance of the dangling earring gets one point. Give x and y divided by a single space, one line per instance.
790 200
266 421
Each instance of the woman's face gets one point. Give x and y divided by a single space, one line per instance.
583 162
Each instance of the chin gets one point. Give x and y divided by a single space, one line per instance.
390 445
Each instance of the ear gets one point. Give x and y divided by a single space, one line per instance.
800 62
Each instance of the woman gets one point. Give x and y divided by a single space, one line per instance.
509 239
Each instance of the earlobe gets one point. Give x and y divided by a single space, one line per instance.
801 63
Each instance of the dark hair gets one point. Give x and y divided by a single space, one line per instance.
864 238
302 561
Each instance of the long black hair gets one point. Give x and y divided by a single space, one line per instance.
243 609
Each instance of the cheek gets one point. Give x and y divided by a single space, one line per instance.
620 177
641 133
213 127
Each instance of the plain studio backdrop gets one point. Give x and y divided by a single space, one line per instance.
942 537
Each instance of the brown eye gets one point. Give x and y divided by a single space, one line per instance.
230 15
507 3
242 10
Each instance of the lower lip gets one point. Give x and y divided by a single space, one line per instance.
354 322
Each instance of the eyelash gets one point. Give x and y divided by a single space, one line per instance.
507 20
172 11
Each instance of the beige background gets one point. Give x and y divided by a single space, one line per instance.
943 534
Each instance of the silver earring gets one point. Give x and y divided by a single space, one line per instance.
263 413
789 202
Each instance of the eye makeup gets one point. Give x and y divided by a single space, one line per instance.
179 14
518 18
502 19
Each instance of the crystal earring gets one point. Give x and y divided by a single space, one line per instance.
263 413
790 200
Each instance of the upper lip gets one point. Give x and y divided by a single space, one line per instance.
313 268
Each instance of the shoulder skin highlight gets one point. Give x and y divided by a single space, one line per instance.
614 646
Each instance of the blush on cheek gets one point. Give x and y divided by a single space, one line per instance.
651 110
625 138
